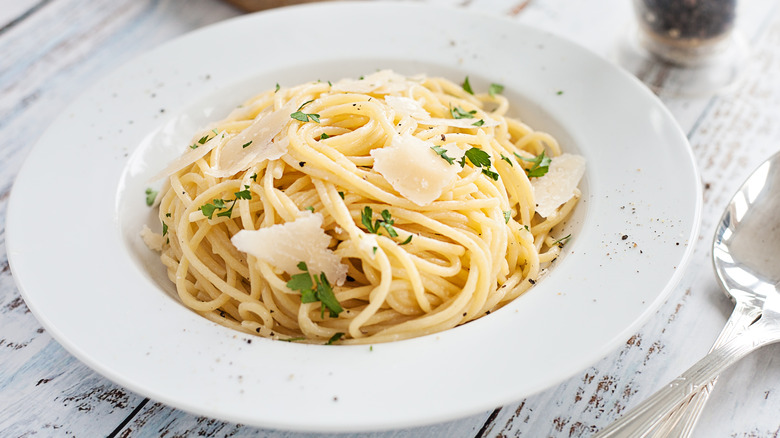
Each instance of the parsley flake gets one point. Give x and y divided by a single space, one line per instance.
507 216
481 159
494 89
209 208
562 241
219 204
334 338
505 158
459 113
305 117
366 216
467 86
165 228
277 87
324 136
408 239
246 144
443 153
540 165
151 195
479 122
315 288
310 208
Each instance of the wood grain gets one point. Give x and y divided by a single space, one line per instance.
54 49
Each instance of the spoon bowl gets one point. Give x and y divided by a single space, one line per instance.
747 242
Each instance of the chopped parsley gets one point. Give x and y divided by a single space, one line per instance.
479 122
277 87
507 216
459 113
202 140
481 159
540 164
208 209
165 228
562 241
443 153
310 208
315 288
253 177
334 338
366 216
494 89
246 144
305 117
505 158
324 136
151 195
559 92
408 239
467 86
341 194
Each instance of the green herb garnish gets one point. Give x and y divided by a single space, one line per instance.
366 216
479 122
151 195
408 239
505 158
459 113
443 153
494 89
467 86
219 204
334 338
507 216
305 117
562 241
209 208
314 288
246 144
539 167
481 159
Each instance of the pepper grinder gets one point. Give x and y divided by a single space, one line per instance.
694 41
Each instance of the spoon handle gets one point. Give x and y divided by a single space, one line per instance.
640 420
682 420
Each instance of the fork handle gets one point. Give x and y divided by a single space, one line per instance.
682 420
639 421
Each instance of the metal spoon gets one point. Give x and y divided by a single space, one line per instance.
745 253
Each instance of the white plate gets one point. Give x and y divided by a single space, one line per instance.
78 204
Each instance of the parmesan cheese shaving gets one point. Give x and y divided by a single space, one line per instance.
406 106
192 155
414 169
558 185
152 240
254 144
381 82
285 245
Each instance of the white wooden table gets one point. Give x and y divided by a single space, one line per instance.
52 50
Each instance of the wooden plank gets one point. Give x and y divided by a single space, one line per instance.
49 58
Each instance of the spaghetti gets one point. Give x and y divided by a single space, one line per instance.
363 211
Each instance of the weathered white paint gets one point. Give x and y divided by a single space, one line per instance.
55 52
